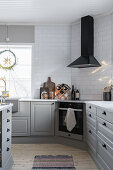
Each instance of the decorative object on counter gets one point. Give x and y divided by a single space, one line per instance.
77 94
7 59
62 91
73 93
107 93
44 92
51 86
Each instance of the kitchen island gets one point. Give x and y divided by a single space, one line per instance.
6 160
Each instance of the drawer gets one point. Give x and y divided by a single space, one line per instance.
91 108
6 152
105 152
102 164
105 128
6 128
91 118
91 138
108 116
6 113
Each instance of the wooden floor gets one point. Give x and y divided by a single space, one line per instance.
23 155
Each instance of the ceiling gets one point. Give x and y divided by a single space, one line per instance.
50 11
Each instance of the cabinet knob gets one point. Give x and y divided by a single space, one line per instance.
8 120
104 146
8 149
89 107
90 131
104 113
8 110
69 135
8 130
104 124
89 115
8 139
52 103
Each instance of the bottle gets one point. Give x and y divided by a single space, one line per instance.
77 95
73 93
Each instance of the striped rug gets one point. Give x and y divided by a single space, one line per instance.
58 162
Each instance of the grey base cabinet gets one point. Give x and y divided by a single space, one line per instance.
42 118
99 123
21 126
21 120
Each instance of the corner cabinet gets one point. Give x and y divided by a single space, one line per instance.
21 120
42 118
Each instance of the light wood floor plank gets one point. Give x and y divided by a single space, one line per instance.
23 155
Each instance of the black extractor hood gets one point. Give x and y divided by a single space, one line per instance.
87 58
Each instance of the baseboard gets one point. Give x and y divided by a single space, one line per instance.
49 140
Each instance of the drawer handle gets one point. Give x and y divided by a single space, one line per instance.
89 107
104 113
69 135
8 130
8 149
104 124
90 131
8 139
52 103
104 146
8 120
8 110
89 115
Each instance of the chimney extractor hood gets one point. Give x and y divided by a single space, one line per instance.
87 58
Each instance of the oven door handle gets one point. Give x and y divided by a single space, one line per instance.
77 110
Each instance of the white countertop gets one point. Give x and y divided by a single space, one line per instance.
37 100
2 107
104 104
108 105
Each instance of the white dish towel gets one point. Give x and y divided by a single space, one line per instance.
70 119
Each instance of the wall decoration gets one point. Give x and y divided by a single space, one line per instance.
7 59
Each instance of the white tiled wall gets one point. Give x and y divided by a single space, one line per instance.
51 55
90 81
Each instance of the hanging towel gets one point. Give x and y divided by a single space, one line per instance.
70 119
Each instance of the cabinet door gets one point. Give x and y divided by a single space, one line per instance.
23 110
20 126
42 118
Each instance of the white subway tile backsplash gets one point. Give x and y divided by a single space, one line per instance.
91 81
52 55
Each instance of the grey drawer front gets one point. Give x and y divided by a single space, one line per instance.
91 118
6 113
6 128
105 128
6 152
91 138
91 108
108 116
102 163
106 152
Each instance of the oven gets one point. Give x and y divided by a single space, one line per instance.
77 131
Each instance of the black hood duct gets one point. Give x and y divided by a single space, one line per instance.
87 58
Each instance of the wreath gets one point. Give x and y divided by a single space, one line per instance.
7 59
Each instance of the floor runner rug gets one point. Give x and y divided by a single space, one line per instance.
58 162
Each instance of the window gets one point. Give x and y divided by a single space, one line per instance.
18 79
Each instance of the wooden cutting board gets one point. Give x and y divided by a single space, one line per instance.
51 87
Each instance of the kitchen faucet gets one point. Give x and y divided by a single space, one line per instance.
2 97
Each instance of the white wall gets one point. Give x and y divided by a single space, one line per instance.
51 55
91 84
